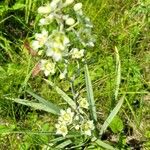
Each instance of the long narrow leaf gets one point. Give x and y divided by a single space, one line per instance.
45 102
104 145
90 94
112 115
62 94
64 144
118 70
35 105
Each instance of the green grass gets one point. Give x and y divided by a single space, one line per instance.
121 24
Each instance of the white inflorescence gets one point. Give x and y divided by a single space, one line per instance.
62 39
55 41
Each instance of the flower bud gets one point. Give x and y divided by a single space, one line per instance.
68 2
44 10
42 22
77 127
70 21
77 7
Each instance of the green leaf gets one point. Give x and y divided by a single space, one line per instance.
3 9
112 115
62 94
45 102
64 144
116 125
90 95
35 105
18 6
104 145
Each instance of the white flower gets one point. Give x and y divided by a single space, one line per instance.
83 103
48 67
87 127
44 9
47 20
55 53
77 7
76 54
77 127
63 74
91 44
81 111
42 37
59 38
77 118
57 45
65 17
43 21
40 52
57 56
50 18
35 45
70 21
61 129
66 116
54 4
68 2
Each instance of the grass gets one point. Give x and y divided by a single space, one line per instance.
124 25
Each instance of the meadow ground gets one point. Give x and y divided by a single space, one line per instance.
120 24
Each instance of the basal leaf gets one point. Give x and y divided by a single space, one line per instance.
112 115
90 94
45 102
104 145
35 105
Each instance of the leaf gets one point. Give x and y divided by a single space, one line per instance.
118 70
3 9
116 125
112 115
104 145
90 95
35 105
45 102
64 144
18 6
62 94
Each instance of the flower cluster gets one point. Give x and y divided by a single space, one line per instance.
66 118
60 29
75 120
63 37
57 45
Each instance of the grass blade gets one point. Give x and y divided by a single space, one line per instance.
62 94
104 145
28 10
118 69
35 105
112 115
90 94
45 102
